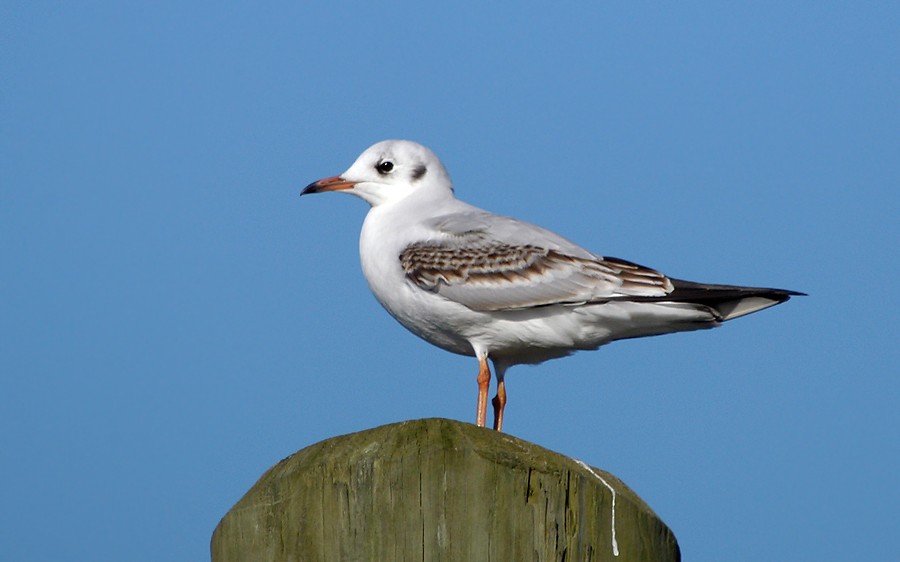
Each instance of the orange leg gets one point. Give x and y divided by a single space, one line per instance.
484 379
499 403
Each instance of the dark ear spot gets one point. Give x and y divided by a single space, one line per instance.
418 172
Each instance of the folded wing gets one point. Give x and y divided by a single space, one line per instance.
515 265
492 263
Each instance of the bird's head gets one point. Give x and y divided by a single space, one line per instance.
389 171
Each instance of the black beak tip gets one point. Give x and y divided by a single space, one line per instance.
311 188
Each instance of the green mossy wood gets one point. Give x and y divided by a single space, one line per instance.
433 490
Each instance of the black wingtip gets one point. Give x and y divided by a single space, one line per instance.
688 290
730 301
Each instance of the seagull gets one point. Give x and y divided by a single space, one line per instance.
503 290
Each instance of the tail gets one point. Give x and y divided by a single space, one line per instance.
729 301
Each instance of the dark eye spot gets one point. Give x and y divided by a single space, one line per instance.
385 167
418 172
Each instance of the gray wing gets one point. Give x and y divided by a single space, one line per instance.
488 263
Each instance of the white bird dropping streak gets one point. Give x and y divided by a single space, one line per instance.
615 544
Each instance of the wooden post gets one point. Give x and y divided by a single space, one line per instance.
434 490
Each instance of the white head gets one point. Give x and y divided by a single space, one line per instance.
389 171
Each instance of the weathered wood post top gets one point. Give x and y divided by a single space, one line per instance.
437 489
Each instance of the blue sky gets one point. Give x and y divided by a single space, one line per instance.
174 319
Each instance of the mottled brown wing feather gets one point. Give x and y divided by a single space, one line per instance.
496 276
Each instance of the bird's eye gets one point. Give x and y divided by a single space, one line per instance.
385 167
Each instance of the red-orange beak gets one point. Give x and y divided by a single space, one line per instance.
334 183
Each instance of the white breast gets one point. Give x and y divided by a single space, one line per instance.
441 322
